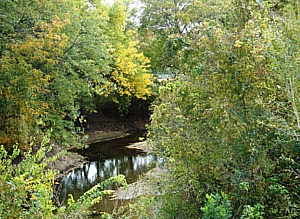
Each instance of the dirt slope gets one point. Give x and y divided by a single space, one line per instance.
106 124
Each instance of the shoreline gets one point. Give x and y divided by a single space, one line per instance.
73 160
103 126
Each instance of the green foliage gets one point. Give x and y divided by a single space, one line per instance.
168 26
170 206
139 209
231 122
55 58
216 206
81 206
255 212
27 187
129 74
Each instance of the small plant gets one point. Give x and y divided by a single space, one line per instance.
26 188
255 212
138 209
216 207
80 208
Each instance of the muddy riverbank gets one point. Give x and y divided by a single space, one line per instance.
105 160
104 125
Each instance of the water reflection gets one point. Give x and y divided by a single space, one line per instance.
105 160
80 180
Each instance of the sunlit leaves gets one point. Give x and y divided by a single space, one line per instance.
55 56
130 72
28 187
169 28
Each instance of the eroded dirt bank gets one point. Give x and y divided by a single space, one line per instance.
66 162
104 125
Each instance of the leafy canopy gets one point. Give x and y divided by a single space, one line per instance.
57 58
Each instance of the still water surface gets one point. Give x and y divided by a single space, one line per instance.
105 160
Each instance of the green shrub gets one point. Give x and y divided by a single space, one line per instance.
27 188
255 212
216 207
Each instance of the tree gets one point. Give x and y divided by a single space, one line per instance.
129 74
167 28
31 51
54 63
230 125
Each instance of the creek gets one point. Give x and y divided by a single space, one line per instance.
105 160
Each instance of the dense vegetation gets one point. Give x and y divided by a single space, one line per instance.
58 59
228 128
27 191
226 122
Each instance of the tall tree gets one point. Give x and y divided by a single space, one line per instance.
231 124
32 45
56 56
167 27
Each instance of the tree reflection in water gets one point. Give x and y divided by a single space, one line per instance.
114 159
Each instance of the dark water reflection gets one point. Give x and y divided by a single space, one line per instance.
106 159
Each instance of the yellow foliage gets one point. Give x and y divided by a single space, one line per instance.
28 65
131 72
44 45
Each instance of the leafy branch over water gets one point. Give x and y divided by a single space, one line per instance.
27 188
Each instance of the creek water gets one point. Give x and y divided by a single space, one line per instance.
105 160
